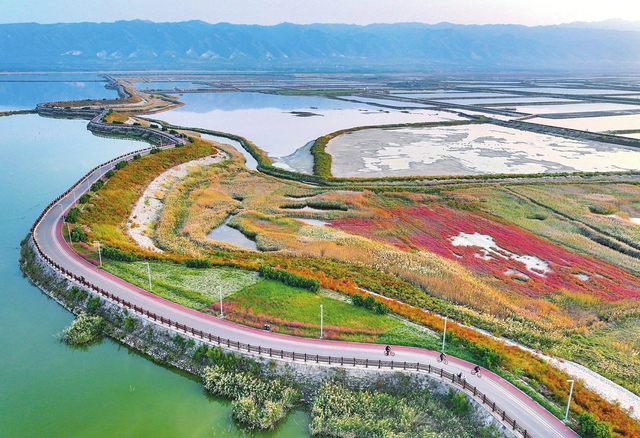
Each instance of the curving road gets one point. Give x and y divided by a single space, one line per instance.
47 233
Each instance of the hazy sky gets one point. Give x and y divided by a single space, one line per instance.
527 12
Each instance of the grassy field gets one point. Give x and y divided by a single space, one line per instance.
194 288
397 244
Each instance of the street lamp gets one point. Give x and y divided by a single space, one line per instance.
566 413
444 333
99 253
220 292
321 320
149 273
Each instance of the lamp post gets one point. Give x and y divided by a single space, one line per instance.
220 293
566 413
444 333
321 319
149 273
99 253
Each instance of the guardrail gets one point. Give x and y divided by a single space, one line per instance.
282 354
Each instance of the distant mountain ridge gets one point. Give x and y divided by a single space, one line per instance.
196 45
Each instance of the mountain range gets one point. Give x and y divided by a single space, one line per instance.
606 47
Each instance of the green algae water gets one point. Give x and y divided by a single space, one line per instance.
46 388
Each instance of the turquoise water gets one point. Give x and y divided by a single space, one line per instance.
46 388
20 92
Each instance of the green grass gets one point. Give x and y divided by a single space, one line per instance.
296 311
193 288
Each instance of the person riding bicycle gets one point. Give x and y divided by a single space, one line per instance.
387 350
442 356
476 369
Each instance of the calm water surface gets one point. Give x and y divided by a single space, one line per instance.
19 92
267 120
46 388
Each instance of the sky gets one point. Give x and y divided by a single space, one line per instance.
269 12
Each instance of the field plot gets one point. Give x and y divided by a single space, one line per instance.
469 150
526 263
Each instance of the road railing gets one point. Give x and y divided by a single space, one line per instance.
257 349
294 356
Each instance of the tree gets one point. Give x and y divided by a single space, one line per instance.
592 428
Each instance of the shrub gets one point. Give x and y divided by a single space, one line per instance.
97 185
137 156
258 403
370 303
77 294
589 427
198 263
72 215
118 255
603 208
458 402
289 279
154 150
121 164
83 330
93 305
84 198
78 234
130 324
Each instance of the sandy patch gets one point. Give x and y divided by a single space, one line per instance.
491 250
147 210
602 386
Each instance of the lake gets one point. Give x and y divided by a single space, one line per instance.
273 122
49 389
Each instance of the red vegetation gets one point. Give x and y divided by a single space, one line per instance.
432 227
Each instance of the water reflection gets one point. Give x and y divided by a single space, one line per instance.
18 95
267 120
224 233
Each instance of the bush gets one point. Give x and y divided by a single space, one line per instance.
118 255
83 330
130 324
84 198
370 303
137 156
72 215
97 185
311 284
603 208
198 263
458 402
121 164
93 305
258 403
78 234
76 294
589 427
154 150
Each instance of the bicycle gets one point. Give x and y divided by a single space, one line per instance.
476 373
389 353
442 359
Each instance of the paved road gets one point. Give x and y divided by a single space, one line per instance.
535 419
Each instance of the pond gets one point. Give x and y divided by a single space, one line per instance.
227 234
273 122
470 150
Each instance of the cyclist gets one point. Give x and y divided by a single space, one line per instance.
476 369
387 350
442 357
